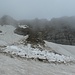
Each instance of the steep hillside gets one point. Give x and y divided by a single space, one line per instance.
18 45
19 58
7 20
57 30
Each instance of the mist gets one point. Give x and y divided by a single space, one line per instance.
53 18
30 9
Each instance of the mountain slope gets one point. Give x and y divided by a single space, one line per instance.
7 20
62 49
14 45
14 66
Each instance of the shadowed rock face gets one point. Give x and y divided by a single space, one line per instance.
65 35
35 36
0 31
58 30
22 31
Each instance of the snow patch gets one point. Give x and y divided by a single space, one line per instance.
35 53
3 43
23 26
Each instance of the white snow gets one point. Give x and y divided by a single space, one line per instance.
29 52
8 35
14 66
3 43
23 26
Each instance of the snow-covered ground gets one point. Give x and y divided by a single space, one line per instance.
8 35
10 43
23 26
66 50
35 53
14 66
55 52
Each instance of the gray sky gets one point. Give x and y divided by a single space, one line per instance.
30 9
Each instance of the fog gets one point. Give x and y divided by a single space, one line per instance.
30 9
